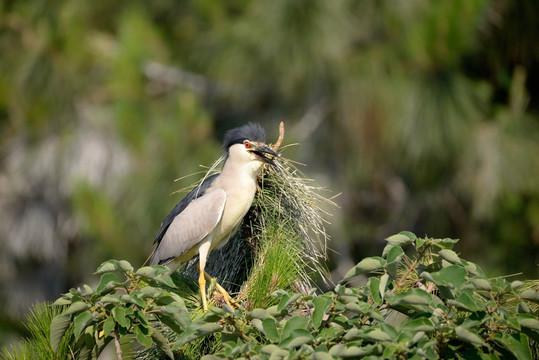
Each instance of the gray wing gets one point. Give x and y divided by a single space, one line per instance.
193 194
190 226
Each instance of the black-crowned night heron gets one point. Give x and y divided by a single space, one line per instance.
210 214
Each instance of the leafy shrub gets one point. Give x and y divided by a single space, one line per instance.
425 302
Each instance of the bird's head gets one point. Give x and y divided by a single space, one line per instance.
247 144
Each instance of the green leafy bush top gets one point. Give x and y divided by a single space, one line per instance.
425 302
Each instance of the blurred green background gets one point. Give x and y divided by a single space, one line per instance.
424 114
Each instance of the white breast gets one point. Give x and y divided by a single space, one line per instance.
239 198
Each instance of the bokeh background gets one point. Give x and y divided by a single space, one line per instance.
423 114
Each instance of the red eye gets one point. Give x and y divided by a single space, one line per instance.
247 144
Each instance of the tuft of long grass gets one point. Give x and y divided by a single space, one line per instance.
37 344
276 266
289 197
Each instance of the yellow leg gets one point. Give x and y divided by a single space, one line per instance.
228 299
202 285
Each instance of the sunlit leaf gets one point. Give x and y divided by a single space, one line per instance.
76 308
402 238
365 266
114 265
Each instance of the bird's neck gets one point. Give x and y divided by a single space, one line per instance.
242 171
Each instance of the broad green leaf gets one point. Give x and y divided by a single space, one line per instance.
451 276
374 287
517 344
108 282
150 292
161 342
365 266
419 324
523 308
299 340
133 299
76 308
88 290
386 250
481 284
270 348
321 305
469 336
394 258
402 238
530 294
352 334
142 318
516 284
296 338
157 274
528 321
412 297
296 322
177 314
473 269
119 314
80 323
419 335
207 329
58 328
171 321
195 331
419 243
283 302
375 315
445 243
376 335
62 301
465 301
258 314
389 330
450 256
355 352
108 299
270 329
257 323
143 336
114 265
108 326
358 308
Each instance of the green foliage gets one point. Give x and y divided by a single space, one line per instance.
126 302
38 344
421 300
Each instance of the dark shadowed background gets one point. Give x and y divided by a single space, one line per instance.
423 114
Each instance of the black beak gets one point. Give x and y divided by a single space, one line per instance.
263 149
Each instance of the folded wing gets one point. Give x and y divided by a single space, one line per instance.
188 228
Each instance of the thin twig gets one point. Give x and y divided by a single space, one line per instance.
117 343
277 145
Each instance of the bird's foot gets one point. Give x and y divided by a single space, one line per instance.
226 296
